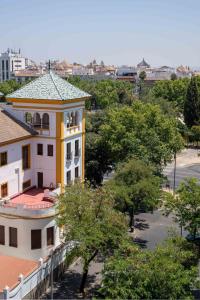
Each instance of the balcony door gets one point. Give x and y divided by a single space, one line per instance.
40 179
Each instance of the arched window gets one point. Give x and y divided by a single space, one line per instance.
77 118
45 121
36 120
28 118
71 119
68 120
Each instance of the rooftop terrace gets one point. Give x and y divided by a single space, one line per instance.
34 201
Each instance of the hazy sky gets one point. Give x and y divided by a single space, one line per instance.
164 32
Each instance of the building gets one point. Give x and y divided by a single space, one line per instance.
11 61
42 149
143 65
126 73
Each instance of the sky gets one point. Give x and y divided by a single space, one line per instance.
164 32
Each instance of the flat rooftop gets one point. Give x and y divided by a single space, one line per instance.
32 199
11 268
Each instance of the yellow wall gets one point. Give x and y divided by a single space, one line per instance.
60 148
83 147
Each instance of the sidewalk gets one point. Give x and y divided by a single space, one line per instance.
68 286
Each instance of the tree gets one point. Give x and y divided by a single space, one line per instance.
136 188
142 131
196 133
89 219
172 91
105 92
168 272
142 75
173 76
192 104
186 205
97 156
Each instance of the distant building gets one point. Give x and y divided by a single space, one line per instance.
126 73
11 61
81 70
143 65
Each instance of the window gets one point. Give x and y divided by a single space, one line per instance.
3 159
36 239
28 118
4 190
50 236
77 118
45 121
50 150
76 148
39 149
69 154
68 177
26 184
2 235
76 172
12 237
26 161
36 120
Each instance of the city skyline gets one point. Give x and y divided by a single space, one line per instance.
115 32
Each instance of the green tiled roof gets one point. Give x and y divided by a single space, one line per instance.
49 86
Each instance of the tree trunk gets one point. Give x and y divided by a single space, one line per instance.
132 220
181 230
84 278
85 271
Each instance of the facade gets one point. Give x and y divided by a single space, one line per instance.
42 137
10 61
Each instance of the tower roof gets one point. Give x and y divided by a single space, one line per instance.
143 63
49 87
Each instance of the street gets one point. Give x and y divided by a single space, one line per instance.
187 165
150 230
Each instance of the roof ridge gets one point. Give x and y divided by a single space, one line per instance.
50 73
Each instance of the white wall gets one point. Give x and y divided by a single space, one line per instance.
24 228
44 163
75 162
8 173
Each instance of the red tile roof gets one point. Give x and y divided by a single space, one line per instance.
11 268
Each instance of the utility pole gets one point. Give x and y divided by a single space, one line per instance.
51 274
174 185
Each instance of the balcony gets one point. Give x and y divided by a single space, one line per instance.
32 202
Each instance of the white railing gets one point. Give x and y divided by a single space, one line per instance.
27 284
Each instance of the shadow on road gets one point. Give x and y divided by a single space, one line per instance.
140 242
141 224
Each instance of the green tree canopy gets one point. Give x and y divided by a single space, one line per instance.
142 75
169 272
136 187
143 131
186 205
88 217
105 92
171 90
192 104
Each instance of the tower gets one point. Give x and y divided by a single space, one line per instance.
55 110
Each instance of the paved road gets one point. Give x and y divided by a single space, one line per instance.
188 165
153 228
